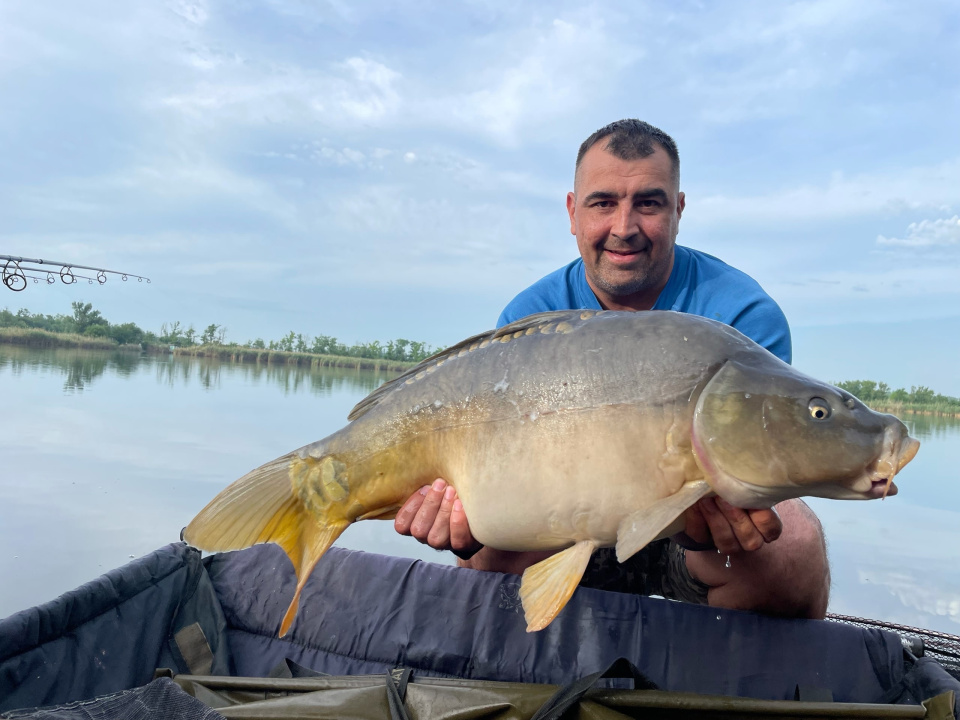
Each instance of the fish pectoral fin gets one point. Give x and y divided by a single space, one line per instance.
314 541
547 586
642 526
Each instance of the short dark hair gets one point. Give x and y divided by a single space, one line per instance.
632 139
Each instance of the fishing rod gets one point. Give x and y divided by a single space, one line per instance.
17 271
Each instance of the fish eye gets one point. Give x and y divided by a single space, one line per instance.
819 409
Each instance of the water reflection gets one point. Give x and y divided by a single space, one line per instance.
109 454
931 426
80 368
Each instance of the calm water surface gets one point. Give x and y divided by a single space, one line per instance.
106 456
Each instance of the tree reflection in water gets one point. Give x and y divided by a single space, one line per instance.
81 368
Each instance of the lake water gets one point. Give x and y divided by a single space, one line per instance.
106 456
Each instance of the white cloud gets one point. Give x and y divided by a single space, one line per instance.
865 194
560 68
193 11
927 233
231 89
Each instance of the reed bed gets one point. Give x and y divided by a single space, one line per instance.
36 338
902 408
238 354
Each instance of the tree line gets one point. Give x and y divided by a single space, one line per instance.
879 394
88 322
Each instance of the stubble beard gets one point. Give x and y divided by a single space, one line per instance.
642 279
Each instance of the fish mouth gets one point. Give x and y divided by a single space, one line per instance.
881 484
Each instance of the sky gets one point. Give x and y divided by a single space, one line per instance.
376 170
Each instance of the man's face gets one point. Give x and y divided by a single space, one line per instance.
625 214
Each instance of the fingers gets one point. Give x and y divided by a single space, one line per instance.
732 528
408 511
461 539
438 527
427 513
696 534
768 522
435 516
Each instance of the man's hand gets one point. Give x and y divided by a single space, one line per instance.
434 516
713 522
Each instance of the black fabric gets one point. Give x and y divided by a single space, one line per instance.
571 694
110 634
366 614
923 679
161 698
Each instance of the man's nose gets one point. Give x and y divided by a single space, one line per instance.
626 224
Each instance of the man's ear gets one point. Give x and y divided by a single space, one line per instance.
681 204
572 211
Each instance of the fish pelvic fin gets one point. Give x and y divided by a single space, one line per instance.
547 586
644 525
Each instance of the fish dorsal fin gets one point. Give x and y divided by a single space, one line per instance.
377 395
538 320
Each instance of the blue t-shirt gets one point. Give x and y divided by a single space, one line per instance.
699 284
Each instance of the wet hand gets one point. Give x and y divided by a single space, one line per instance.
713 522
434 515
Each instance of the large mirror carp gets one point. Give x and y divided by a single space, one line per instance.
569 431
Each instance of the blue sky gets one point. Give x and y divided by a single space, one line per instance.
375 170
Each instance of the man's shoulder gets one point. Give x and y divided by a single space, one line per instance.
705 268
717 290
708 286
558 290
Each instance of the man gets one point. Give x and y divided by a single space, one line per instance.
625 212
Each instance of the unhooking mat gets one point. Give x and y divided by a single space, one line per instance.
368 614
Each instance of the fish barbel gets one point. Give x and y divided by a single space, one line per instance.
569 431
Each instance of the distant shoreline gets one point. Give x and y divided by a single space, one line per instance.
899 409
37 338
240 354
44 339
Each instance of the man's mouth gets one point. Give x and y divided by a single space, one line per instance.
623 256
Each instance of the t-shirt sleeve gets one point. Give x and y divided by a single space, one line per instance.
763 321
549 293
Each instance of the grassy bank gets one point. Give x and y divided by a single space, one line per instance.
237 353
940 410
36 338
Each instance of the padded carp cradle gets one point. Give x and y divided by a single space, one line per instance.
383 637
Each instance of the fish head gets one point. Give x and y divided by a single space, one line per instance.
762 434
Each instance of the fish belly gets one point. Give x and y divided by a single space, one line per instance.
563 477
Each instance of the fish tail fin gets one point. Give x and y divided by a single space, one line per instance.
263 506
259 507
313 544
